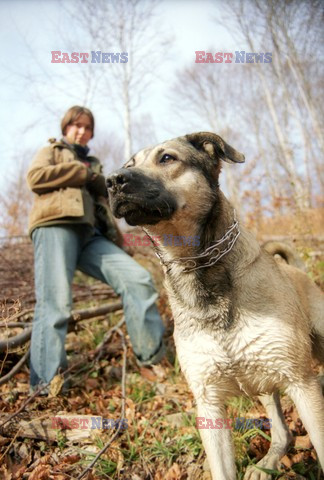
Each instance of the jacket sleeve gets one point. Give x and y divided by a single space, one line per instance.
45 176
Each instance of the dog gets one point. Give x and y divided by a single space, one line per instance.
243 324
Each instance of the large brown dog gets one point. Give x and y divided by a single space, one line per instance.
243 323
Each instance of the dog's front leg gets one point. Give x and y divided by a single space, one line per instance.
203 363
217 441
280 439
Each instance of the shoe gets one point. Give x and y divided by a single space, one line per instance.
42 393
57 386
156 358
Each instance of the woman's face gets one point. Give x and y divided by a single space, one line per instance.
80 131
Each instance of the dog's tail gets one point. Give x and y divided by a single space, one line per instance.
285 252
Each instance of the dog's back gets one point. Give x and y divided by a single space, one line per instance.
309 294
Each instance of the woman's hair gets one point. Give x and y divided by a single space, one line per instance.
72 114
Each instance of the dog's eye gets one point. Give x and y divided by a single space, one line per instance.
166 158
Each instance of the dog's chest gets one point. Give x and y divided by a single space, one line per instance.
246 358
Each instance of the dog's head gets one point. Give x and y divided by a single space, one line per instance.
179 175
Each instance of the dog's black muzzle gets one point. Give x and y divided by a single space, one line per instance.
140 199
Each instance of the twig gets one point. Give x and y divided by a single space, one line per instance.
99 349
123 385
16 368
14 324
95 311
16 315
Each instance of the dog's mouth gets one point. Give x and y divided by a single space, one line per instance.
138 215
139 199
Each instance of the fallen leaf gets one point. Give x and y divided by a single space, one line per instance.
148 374
91 383
4 441
4 474
159 371
173 473
303 442
56 386
41 472
259 447
70 459
18 473
286 461
299 457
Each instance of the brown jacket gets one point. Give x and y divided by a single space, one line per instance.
58 178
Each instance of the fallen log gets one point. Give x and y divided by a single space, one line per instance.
76 316
74 427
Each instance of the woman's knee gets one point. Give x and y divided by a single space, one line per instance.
141 276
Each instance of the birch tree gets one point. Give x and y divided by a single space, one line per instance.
131 27
274 108
288 90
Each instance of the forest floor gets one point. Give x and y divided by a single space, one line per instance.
161 441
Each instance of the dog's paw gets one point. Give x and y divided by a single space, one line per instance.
269 462
254 474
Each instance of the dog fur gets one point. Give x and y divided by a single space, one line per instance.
243 325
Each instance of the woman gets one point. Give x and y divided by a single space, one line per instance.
71 227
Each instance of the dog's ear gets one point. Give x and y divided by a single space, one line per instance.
215 147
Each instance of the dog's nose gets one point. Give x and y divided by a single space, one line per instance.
118 178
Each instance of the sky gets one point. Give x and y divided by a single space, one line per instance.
29 31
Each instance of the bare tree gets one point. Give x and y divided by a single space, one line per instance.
293 113
133 29
15 204
270 111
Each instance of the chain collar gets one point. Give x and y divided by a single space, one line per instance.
211 254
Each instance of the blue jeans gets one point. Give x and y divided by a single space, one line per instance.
59 251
